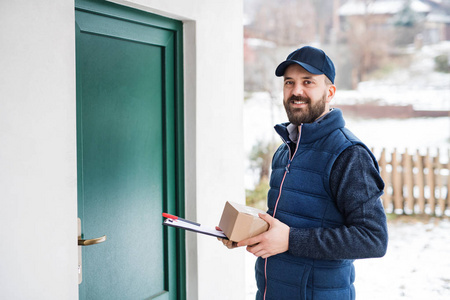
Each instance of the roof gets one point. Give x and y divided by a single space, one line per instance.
358 7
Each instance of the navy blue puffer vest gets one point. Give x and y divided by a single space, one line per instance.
300 197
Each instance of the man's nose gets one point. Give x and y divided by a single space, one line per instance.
298 90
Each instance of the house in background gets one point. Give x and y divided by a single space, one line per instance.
431 16
112 112
437 23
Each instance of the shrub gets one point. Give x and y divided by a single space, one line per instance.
441 63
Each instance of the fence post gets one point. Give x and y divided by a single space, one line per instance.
420 182
397 184
384 174
448 178
430 182
409 182
438 181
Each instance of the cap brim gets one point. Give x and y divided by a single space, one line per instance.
282 67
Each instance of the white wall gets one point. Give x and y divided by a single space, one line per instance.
38 217
38 138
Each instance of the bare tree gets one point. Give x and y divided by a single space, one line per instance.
285 22
369 39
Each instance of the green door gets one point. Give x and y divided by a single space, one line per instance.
129 127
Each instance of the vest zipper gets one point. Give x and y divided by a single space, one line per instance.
291 157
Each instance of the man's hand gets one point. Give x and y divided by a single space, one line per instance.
271 242
227 243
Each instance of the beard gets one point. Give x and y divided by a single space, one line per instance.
298 116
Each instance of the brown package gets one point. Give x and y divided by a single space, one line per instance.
240 222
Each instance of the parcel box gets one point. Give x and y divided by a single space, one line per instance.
239 222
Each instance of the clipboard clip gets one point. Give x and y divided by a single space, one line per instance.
173 217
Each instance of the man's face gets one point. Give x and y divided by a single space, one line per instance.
306 96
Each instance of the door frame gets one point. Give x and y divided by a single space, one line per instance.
173 135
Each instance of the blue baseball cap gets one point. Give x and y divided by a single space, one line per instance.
313 60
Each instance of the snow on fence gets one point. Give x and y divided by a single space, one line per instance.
415 183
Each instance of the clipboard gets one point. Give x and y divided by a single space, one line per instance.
174 221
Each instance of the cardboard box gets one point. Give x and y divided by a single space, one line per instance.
240 222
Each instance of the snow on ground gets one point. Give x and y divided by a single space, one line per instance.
418 85
414 134
415 267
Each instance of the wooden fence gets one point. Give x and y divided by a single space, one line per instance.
416 183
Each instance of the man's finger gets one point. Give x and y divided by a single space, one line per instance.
259 252
266 217
250 241
254 248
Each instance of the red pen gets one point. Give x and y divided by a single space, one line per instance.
168 216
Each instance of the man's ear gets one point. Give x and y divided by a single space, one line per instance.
331 92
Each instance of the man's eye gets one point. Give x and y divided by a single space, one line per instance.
307 82
288 82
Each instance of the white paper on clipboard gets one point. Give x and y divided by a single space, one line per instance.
195 228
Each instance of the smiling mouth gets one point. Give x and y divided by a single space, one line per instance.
298 102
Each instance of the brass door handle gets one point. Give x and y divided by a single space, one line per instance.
91 241
82 242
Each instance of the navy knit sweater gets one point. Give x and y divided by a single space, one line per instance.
355 184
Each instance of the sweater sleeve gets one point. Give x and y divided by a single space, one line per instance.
356 186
